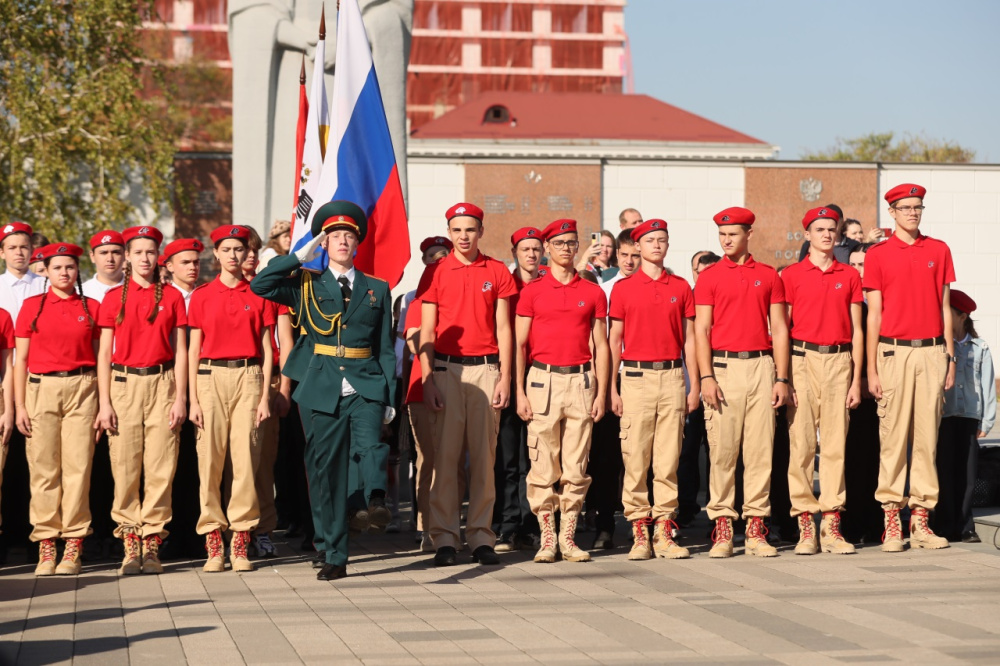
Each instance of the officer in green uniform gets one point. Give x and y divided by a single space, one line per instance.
343 362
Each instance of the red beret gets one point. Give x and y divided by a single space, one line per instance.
182 245
151 233
36 256
470 210
14 228
962 302
905 191
161 260
558 228
524 233
647 227
434 241
230 231
60 250
819 214
734 215
106 237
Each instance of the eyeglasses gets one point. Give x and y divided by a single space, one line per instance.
559 244
910 209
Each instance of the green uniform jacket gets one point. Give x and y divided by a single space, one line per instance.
367 323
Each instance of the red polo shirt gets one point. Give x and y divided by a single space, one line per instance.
562 316
654 313
278 311
821 301
6 330
415 386
65 338
911 279
231 320
741 297
139 343
466 298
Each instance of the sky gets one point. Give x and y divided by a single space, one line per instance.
800 74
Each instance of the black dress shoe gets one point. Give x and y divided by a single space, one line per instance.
970 537
485 555
445 557
320 560
332 572
603 541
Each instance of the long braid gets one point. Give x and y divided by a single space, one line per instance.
83 299
41 302
127 278
156 305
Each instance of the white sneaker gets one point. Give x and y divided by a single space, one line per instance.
264 546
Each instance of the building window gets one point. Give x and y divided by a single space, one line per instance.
506 17
577 55
437 16
578 19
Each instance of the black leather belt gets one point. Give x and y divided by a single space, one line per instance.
562 369
67 373
746 354
468 360
237 363
822 349
653 365
924 342
143 372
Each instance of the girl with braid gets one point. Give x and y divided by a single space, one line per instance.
55 396
142 381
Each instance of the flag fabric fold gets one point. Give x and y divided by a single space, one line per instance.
360 165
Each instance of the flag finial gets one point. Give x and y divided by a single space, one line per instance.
322 21
302 72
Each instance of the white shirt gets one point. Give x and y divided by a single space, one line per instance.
400 344
185 294
345 388
14 291
97 290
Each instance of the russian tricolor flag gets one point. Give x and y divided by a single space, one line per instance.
360 165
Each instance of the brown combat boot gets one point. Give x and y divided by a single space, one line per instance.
216 553
238 552
921 535
132 562
830 537
663 541
807 544
892 537
567 546
722 538
641 549
46 558
151 555
548 548
756 539
71 561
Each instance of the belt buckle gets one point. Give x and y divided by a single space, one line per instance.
743 355
824 349
341 351
917 343
658 365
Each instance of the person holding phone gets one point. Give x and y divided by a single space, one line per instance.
601 257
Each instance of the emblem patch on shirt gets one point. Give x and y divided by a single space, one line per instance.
487 286
930 264
81 318
838 285
246 308
580 304
757 283
673 299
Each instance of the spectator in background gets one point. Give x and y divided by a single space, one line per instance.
279 242
601 257
37 266
629 218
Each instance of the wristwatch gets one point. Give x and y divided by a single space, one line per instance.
953 359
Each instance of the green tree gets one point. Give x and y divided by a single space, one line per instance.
79 144
879 147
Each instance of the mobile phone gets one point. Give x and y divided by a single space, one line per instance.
886 232
595 236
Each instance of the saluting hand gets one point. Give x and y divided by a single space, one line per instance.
311 250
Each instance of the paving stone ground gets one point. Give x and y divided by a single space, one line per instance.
939 607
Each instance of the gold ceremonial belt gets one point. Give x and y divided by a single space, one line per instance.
343 352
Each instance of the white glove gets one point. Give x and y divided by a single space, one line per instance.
390 414
311 250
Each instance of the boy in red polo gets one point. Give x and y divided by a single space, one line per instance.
911 358
465 354
653 313
824 301
561 314
736 301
